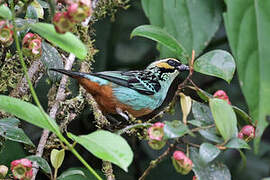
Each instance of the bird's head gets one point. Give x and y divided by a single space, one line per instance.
167 68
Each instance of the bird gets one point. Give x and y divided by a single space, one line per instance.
141 93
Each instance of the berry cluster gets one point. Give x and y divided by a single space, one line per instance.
77 12
156 136
247 133
22 169
31 45
181 162
6 33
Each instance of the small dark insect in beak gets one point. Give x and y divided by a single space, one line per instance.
182 67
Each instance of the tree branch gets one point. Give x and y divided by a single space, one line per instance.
60 96
35 72
154 163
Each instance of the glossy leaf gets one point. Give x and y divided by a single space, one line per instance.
202 113
70 173
242 114
42 163
5 12
107 146
248 30
51 59
57 157
210 134
67 41
161 36
225 118
192 23
9 129
27 112
211 171
38 8
31 13
216 63
208 152
237 143
175 129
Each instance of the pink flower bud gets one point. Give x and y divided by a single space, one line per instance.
3 171
79 10
240 135
6 33
194 178
156 132
32 45
247 133
181 162
22 169
222 95
62 22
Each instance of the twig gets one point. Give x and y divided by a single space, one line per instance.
35 72
133 126
157 161
191 70
108 170
60 96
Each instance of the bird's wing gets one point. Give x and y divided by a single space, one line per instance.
142 81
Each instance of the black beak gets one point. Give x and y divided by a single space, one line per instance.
182 67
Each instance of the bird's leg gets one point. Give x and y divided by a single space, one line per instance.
121 113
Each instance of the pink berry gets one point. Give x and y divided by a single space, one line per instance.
220 94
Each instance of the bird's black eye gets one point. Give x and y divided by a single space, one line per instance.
173 63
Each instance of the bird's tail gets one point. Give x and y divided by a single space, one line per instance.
69 73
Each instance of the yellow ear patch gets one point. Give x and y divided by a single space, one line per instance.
164 65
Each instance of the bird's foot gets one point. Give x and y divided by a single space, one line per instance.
121 113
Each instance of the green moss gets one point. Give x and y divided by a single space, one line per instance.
108 8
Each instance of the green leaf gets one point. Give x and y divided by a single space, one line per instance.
248 30
31 13
211 171
216 63
38 8
70 173
43 164
203 94
161 36
107 146
224 117
5 12
67 41
57 157
202 112
175 129
210 134
242 114
193 23
208 152
196 123
51 59
9 130
44 4
237 143
27 112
